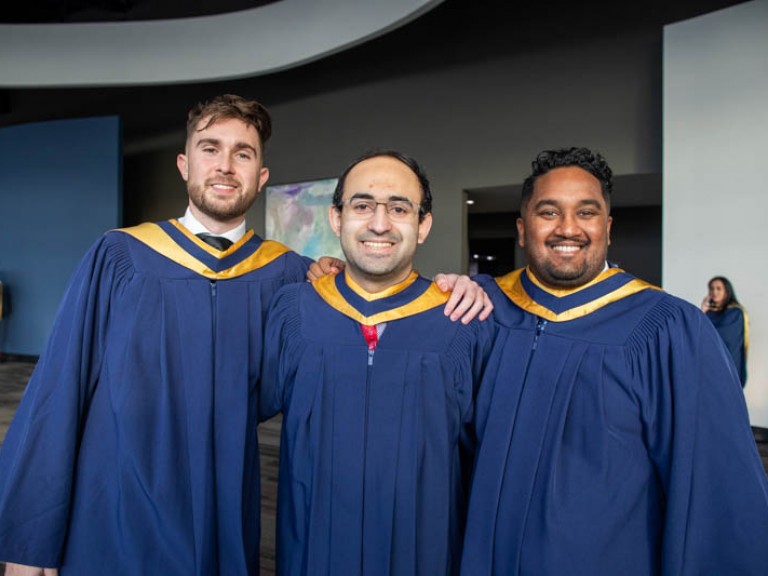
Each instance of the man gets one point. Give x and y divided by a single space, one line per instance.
613 435
134 449
376 387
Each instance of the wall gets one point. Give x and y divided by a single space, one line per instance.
59 191
715 176
472 125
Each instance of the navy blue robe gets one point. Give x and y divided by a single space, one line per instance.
613 440
372 456
134 448
733 327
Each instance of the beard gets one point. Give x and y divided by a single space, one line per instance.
219 209
568 275
565 277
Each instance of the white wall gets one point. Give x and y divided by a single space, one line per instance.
716 168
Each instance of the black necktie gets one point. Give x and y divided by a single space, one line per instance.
218 242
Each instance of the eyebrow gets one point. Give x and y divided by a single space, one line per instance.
549 202
367 196
217 142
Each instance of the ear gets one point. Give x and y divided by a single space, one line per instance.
424 227
263 177
608 229
520 232
183 166
334 217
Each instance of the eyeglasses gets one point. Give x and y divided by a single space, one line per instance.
365 208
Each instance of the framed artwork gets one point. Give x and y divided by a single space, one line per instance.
297 216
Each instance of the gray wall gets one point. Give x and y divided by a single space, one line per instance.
473 125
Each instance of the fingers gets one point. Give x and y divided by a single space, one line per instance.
454 302
334 264
314 272
22 570
487 307
480 308
446 282
467 301
324 266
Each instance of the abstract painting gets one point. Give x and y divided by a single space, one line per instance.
297 216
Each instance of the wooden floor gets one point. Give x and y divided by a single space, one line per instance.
13 379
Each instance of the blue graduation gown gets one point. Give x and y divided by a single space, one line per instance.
372 462
613 440
732 326
134 448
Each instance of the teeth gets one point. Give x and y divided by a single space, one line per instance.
563 248
223 187
378 244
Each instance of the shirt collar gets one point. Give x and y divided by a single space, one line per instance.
193 225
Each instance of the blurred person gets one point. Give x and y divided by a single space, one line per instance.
730 320
613 435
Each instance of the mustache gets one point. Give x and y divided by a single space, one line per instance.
571 239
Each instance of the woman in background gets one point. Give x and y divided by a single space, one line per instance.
730 320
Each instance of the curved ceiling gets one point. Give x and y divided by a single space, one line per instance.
241 44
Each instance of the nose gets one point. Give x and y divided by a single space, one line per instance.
379 221
225 164
568 225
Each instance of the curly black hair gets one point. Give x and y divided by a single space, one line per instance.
583 158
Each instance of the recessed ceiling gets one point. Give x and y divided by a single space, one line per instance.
455 33
248 43
79 11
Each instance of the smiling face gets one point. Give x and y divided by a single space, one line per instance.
379 249
224 172
565 228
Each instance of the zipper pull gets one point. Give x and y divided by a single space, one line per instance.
540 325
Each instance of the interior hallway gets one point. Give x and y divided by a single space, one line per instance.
13 379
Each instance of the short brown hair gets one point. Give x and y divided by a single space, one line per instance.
229 106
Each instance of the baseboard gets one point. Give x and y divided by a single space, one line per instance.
4 357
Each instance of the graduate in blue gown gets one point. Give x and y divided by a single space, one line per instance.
613 434
730 320
376 388
134 448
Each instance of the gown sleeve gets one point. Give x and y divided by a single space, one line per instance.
282 341
699 438
469 353
39 455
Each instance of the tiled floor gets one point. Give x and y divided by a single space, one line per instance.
14 376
